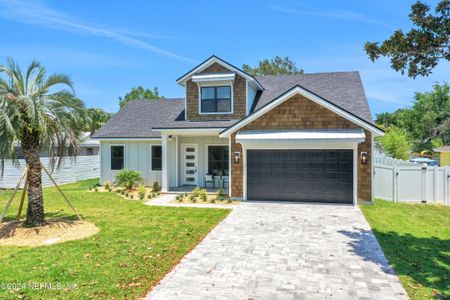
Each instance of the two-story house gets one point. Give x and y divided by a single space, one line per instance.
302 137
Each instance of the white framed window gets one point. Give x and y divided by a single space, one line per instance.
216 99
117 157
156 157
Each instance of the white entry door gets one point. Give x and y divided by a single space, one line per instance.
189 160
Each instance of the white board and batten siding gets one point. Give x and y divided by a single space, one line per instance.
83 167
137 156
412 183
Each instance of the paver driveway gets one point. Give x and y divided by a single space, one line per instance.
285 251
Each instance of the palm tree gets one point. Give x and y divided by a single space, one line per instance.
39 115
96 118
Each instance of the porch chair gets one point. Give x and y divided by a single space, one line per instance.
209 179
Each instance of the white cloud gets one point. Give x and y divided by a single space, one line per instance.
340 14
37 13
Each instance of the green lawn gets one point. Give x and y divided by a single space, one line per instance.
137 244
416 240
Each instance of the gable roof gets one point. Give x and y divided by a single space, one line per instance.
214 59
310 95
343 89
138 118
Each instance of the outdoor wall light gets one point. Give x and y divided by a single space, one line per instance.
364 158
237 157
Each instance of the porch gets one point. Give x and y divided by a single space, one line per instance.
194 158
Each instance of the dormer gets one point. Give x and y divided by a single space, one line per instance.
217 90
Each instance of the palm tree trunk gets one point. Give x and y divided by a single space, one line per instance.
35 210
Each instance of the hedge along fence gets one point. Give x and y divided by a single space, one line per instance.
412 183
83 167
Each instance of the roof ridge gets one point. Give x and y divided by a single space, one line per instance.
306 74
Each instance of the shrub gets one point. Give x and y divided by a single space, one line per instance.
141 192
156 187
220 194
193 198
96 190
229 200
107 185
131 197
128 178
149 196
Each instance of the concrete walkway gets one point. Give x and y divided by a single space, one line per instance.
285 251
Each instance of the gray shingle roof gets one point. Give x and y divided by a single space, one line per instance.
139 117
343 89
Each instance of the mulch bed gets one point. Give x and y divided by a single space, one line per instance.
55 231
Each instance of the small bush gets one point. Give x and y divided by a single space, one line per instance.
126 194
141 192
131 197
107 185
149 196
213 200
220 194
229 200
96 190
200 193
156 187
192 198
128 178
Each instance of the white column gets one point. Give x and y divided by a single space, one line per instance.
176 160
165 165
355 173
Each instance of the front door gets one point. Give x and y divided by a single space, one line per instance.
189 161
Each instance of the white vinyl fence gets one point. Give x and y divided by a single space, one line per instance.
84 167
411 183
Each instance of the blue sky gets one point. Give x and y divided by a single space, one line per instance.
110 46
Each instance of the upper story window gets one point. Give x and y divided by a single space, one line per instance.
216 99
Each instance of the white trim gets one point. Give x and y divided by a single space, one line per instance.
165 171
309 95
185 103
372 168
214 77
244 176
355 175
176 160
183 163
302 145
182 81
110 157
190 131
215 113
355 135
230 160
127 139
102 160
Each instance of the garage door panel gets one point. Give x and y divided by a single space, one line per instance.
300 175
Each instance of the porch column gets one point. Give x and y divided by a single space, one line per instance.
165 165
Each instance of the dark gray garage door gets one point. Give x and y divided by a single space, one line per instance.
300 175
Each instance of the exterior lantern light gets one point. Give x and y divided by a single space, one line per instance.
237 157
364 158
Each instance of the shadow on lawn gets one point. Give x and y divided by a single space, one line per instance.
426 260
